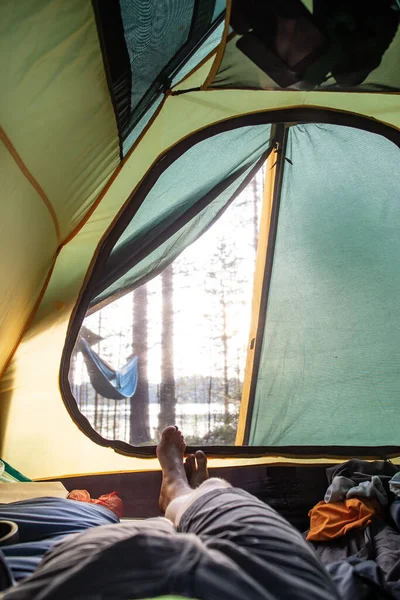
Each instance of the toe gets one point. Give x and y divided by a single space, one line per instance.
188 468
190 465
168 432
201 459
179 438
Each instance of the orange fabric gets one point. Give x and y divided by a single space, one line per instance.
334 519
111 501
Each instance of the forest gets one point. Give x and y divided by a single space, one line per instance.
188 328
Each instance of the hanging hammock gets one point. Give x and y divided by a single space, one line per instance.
109 383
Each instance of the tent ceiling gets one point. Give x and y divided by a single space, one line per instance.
55 106
21 281
238 71
61 139
132 34
57 114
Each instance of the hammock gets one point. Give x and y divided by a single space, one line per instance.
109 383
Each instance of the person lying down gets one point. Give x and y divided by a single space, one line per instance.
215 542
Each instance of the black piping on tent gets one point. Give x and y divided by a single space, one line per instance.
280 117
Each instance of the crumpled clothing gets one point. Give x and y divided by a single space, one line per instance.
372 490
111 501
378 542
362 470
395 512
338 489
356 579
343 488
334 519
394 484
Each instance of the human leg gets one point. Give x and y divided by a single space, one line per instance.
176 493
233 523
228 545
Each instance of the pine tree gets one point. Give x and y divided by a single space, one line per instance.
167 415
139 402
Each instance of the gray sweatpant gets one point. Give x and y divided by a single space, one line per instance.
228 545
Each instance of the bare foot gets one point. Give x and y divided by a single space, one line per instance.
170 452
196 468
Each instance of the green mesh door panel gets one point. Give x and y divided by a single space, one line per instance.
213 168
329 370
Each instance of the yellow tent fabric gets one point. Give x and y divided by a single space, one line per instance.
59 143
59 151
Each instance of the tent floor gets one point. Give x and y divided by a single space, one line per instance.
291 490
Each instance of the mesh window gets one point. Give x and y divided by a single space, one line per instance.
165 338
166 334
149 46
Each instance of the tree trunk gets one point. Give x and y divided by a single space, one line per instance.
139 413
254 191
96 396
167 414
96 413
115 421
209 402
224 338
238 383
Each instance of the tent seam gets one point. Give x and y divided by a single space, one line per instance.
31 314
258 280
95 204
280 90
198 67
220 49
32 180
169 93
116 172
183 221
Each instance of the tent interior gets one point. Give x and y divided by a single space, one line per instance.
206 235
